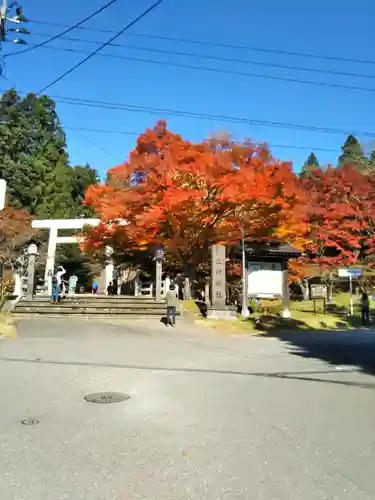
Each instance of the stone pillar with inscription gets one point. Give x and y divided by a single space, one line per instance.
218 309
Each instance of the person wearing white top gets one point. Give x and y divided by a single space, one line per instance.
60 272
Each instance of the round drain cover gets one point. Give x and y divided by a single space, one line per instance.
106 397
30 421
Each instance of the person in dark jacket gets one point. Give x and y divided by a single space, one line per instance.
365 308
172 303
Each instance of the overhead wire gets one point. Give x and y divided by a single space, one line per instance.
220 44
137 134
189 114
59 35
102 46
203 68
211 117
209 57
119 106
78 25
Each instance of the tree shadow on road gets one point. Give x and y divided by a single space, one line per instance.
337 347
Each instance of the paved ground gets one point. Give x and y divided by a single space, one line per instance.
210 417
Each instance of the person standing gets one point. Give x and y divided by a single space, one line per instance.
59 273
115 278
72 283
172 303
55 291
95 287
365 308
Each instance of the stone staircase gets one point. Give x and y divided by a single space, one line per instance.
91 307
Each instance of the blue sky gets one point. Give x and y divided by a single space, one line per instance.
319 27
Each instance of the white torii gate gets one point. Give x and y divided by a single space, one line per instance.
54 225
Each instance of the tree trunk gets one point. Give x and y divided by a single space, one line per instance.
190 282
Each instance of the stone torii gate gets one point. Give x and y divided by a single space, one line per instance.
54 225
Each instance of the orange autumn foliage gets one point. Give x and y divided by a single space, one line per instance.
187 196
15 230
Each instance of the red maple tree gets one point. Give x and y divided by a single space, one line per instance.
188 196
341 211
15 230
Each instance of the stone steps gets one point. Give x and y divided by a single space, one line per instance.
93 304
91 307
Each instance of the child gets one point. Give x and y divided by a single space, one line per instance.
95 288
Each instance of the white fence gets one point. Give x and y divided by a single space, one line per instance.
147 289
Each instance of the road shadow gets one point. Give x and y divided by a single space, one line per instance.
355 347
311 376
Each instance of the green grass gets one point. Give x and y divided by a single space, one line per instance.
7 328
269 319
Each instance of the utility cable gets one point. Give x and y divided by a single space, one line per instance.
105 44
59 35
137 134
206 68
209 57
221 45
118 106
206 116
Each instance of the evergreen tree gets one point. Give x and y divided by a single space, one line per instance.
352 154
310 165
371 161
82 176
34 160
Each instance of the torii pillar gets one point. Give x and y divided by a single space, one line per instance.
54 225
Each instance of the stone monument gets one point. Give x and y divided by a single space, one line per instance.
218 309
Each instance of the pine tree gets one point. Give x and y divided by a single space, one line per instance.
352 154
309 166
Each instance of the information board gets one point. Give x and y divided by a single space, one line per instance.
265 279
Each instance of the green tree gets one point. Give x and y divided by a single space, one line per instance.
82 176
352 154
33 157
371 161
310 165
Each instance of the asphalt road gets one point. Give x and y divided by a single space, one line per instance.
210 416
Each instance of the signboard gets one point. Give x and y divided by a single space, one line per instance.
265 279
346 272
318 291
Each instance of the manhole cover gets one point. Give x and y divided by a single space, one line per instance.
106 397
30 421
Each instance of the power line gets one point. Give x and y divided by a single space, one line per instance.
59 35
110 40
212 70
210 57
118 106
206 116
124 132
220 44
105 150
